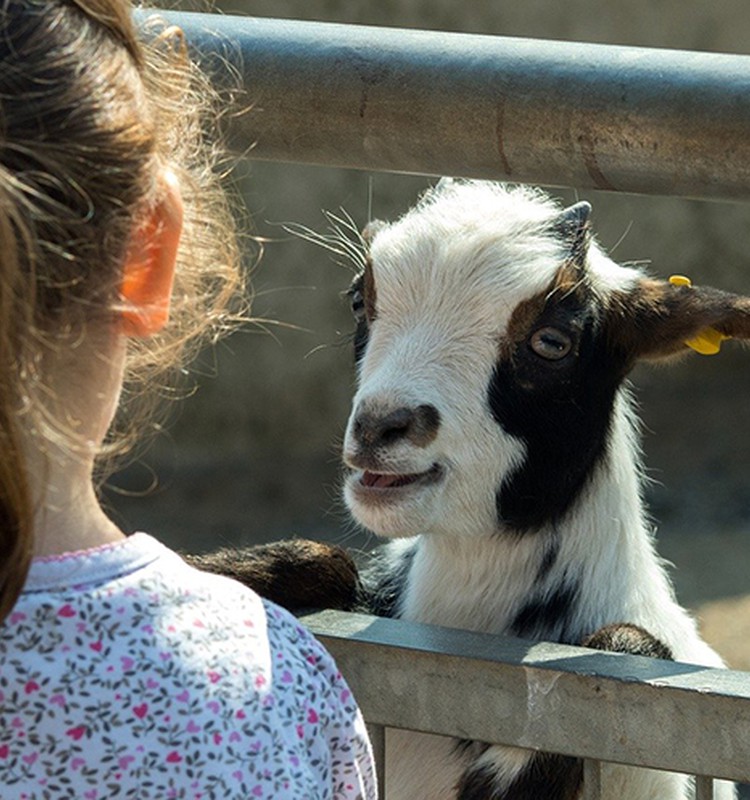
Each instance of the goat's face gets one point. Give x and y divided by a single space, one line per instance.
491 341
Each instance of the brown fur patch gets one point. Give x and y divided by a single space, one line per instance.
369 291
296 574
655 319
525 315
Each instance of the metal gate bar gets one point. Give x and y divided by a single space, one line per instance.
556 698
556 113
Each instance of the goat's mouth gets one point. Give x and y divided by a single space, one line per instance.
371 483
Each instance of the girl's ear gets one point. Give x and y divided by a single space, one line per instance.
148 272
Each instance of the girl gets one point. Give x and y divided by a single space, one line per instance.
123 671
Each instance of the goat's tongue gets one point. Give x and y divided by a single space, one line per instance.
380 481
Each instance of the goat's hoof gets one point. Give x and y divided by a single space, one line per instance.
296 574
622 637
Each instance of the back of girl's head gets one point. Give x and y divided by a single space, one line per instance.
89 116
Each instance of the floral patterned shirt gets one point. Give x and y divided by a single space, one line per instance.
125 673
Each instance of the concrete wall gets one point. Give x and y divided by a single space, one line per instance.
252 455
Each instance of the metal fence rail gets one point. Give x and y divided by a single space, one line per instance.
557 113
557 698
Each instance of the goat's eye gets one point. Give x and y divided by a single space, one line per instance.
357 300
551 343
356 297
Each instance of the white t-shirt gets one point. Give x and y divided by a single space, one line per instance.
125 673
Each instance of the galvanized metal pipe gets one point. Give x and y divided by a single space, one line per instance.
556 113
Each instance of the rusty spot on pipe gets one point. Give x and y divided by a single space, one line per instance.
588 152
500 135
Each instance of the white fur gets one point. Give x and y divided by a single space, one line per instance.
448 276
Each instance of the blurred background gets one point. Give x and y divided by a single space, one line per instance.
252 454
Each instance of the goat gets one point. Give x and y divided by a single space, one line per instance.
493 439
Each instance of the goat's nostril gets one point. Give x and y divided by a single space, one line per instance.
418 425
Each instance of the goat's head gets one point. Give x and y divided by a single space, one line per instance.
492 337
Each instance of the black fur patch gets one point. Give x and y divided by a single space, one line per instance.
549 558
384 584
548 615
546 777
560 409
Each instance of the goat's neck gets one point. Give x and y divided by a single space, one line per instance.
479 581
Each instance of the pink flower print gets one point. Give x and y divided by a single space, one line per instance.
198 623
4 751
57 700
31 687
151 684
260 681
345 695
183 696
76 764
141 710
214 706
217 738
16 617
257 790
16 723
192 727
174 757
234 737
77 732
96 646
30 759
127 663
91 794
312 716
301 731
214 677
286 676
66 611
240 714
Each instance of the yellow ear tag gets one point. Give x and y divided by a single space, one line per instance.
708 341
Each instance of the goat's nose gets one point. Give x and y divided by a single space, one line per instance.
418 425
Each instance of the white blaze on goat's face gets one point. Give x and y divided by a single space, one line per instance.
424 449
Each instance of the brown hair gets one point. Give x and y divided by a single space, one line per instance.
89 114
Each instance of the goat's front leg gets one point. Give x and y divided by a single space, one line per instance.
297 574
502 773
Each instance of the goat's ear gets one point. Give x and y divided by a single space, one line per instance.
371 229
658 319
573 226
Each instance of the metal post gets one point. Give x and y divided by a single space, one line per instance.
592 779
704 787
558 113
377 739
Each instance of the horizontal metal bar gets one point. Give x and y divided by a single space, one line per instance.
569 700
557 113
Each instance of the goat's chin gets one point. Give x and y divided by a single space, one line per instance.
392 514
